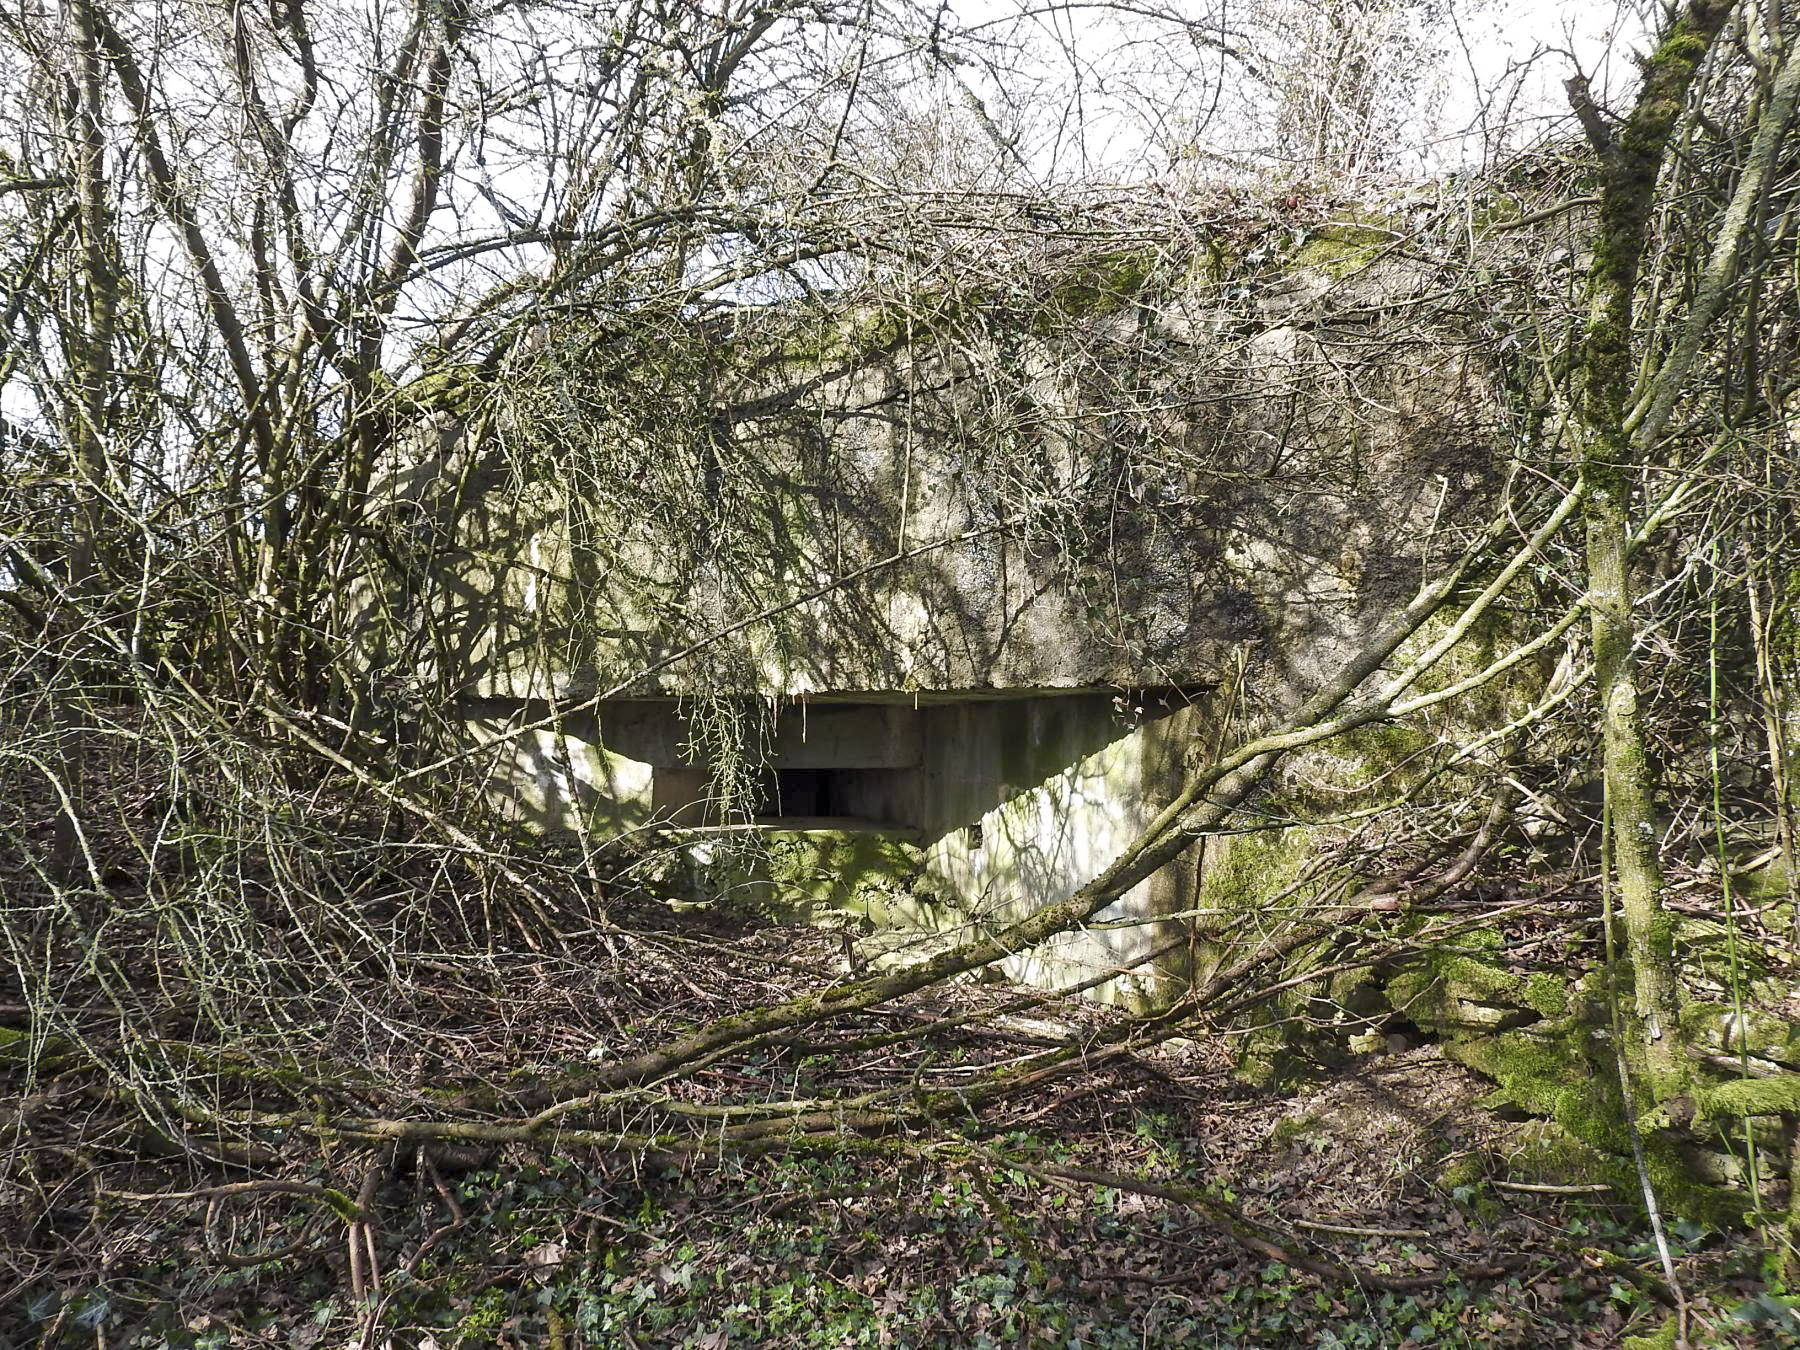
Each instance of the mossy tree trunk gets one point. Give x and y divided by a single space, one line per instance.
1632 163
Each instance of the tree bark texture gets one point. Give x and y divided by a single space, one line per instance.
1633 161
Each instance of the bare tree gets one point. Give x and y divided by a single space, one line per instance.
263 265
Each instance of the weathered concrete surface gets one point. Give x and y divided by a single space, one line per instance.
1138 500
1031 799
938 565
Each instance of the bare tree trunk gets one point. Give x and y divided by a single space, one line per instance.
97 303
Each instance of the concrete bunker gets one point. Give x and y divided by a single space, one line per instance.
925 813
964 702
851 764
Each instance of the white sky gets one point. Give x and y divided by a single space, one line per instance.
1109 86
1119 90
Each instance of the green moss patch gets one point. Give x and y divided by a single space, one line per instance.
1716 1027
1753 1097
800 875
1104 286
1245 872
1339 250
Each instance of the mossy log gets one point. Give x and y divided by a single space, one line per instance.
1555 1060
1752 1097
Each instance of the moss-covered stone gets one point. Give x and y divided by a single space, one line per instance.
1561 1068
1763 884
1547 995
1454 989
1498 211
1550 1076
1549 1152
1779 1095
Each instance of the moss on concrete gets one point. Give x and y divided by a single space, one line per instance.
1245 872
1338 250
1368 756
1090 288
803 874
1390 757
1101 287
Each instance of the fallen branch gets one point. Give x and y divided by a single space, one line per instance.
336 1201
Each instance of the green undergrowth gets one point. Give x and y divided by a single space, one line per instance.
541 1248
818 1253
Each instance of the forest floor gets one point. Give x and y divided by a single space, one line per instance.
1056 1218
